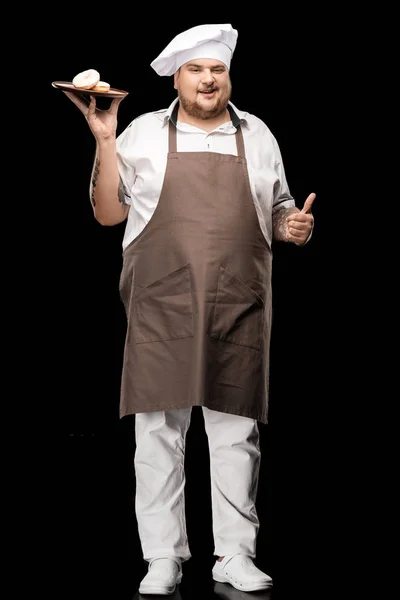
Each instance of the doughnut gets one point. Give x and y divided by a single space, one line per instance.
102 86
86 80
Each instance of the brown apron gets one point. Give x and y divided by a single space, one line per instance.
196 286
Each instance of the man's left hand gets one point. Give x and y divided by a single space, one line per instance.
300 224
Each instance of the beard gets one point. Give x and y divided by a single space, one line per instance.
197 111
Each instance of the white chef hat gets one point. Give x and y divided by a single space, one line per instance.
202 41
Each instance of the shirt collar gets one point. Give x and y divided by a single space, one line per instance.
238 117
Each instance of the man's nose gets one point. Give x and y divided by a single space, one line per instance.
208 76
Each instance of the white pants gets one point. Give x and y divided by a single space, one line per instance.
160 479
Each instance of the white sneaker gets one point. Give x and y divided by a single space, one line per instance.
240 571
163 576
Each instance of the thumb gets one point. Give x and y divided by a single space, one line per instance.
308 203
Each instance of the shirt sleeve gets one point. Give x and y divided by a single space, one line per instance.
282 196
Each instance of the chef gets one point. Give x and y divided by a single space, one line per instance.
202 188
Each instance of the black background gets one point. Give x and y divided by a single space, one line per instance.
280 73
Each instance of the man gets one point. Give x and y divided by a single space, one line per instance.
203 191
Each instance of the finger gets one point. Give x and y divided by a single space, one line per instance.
299 226
92 107
300 217
298 237
115 104
308 203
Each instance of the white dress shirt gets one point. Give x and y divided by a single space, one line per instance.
142 158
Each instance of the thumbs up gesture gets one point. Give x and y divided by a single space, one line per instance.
300 224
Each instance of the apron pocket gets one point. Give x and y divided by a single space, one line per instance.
238 312
164 308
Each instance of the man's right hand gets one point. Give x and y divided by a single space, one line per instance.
102 123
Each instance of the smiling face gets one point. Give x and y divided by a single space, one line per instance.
204 88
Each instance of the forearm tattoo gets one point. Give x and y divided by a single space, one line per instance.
95 175
279 225
121 195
